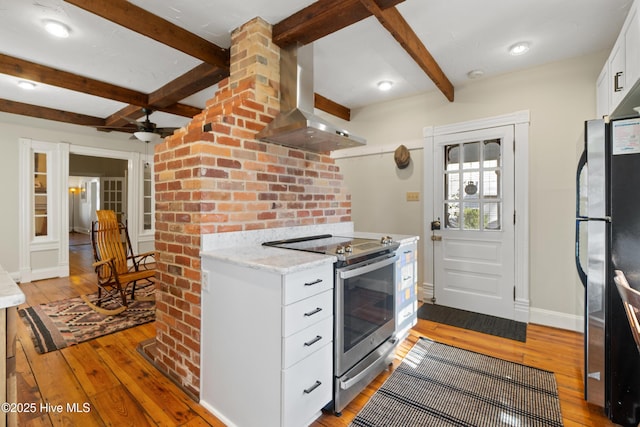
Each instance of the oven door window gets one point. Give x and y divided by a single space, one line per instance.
368 304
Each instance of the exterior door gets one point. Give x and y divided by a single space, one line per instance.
474 203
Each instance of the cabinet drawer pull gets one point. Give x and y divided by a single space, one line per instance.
312 312
313 341
315 282
313 387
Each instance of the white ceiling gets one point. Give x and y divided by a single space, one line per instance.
462 35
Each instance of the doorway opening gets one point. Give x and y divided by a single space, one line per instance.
94 183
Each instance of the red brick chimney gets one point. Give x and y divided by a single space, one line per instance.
213 176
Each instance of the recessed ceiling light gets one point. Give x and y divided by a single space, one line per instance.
385 85
519 48
57 29
475 74
26 85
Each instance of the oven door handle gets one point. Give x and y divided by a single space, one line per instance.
346 384
373 265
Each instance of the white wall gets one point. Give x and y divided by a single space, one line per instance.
559 97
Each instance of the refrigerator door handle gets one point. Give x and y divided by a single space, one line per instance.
579 219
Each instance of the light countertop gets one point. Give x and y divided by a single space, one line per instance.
10 293
278 260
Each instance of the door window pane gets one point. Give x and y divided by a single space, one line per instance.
471 216
452 215
452 186
452 158
492 153
472 185
471 155
40 196
491 216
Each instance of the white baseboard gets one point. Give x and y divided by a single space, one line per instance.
556 319
527 314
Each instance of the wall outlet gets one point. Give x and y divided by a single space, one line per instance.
205 280
413 196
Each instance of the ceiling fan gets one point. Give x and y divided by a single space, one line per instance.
147 130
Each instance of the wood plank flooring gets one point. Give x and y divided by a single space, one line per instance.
110 383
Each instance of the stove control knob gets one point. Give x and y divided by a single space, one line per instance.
348 249
340 250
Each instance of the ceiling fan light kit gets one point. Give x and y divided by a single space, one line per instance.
146 136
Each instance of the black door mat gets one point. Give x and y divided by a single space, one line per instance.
486 324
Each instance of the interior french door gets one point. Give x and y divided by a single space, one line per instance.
113 191
474 201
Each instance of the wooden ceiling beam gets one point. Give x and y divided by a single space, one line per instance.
199 78
322 18
395 23
331 107
139 20
40 73
39 112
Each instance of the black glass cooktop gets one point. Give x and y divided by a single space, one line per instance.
343 247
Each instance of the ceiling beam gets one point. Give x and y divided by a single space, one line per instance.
23 109
203 76
39 73
166 98
322 18
199 78
139 20
395 23
331 107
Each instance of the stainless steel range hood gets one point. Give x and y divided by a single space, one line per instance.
296 126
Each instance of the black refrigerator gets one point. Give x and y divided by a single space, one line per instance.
608 239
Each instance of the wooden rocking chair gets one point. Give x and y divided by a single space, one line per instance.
118 269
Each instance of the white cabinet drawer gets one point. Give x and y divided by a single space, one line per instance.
307 387
305 313
302 344
303 284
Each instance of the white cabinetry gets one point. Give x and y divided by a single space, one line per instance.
406 287
603 93
267 353
619 81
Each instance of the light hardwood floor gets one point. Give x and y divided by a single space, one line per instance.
122 388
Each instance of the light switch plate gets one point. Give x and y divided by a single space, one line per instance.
413 196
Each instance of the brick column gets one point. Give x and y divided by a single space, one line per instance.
213 176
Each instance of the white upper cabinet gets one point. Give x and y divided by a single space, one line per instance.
618 86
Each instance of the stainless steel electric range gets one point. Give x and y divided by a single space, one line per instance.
364 310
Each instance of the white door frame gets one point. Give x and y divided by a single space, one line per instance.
58 240
520 121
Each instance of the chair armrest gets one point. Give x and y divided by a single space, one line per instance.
146 254
103 262
140 260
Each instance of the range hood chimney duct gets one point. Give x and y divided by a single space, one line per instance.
296 125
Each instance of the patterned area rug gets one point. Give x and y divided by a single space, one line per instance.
68 322
440 385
